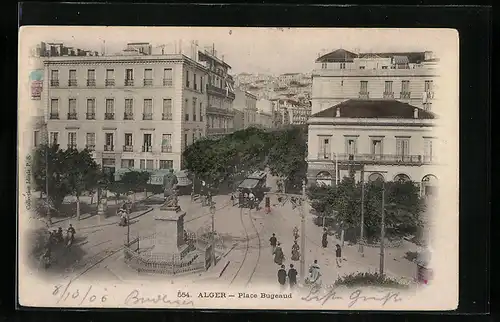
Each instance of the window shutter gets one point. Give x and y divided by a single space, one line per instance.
399 147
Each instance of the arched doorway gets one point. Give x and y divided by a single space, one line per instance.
375 177
429 185
402 178
324 178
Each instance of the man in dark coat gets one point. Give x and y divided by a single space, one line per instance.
292 276
282 277
273 241
324 240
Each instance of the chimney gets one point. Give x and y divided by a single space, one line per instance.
338 112
415 113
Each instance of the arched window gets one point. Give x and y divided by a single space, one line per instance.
324 178
401 178
375 177
429 185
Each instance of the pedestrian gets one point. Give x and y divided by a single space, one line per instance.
279 257
324 240
282 277
268 205
273 241
338 255
314 278
292 276
251 197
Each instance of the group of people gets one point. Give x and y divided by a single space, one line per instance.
248 200
279 258
123 212
57 237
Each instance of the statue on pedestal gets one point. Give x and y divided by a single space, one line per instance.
170 191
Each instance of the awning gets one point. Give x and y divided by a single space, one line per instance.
401 60
249 184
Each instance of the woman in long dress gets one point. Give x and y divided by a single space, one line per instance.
278 255
314 277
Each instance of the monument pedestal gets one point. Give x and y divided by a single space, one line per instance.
169 238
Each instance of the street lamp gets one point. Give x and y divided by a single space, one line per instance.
212 212
303 232
382 231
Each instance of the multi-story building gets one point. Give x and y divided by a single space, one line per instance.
220 90
378 139
409 77
245 104
264 119
131 111
300 114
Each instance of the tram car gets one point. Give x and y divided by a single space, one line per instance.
254 183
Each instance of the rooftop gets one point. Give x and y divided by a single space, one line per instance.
356 108
341 55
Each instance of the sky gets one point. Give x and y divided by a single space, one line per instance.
254 50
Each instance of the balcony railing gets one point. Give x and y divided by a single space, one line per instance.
109 116
167 82
110 82
221 111
211 89
405 95
71 146
364 95
128 148
147 148
128 116
129 82
166 116
147 116
54 82
90 116
377 158
72 82
108 147
90 147
90 82
72 116
430 94
389 95
148 82
54 116
166 148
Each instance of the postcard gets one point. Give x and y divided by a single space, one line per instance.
238 168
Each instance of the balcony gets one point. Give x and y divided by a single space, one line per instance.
72 83
110 82
128 116
166 116
90 147
405 95
129 82
71 146
147 116
90 82
108 147
167 82
72 116
54 82
109 116
376 158
128 148
90 116
148 82
219 111
216 131
364 95
388 95
54 116
147 148
211 89
166 149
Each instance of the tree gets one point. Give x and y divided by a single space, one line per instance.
81 175
68 172
403 206
287 157
132 181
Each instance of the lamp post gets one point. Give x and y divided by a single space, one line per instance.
212 212
303 232
362 228
382 231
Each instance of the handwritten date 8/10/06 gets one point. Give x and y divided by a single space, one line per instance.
79 296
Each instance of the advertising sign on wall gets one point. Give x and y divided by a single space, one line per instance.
36 83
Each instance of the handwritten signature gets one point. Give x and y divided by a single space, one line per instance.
354 297
135 298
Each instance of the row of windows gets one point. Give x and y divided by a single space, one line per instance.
376 146
405 86
143 164
109 114
392 66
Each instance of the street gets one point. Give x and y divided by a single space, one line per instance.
247 261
